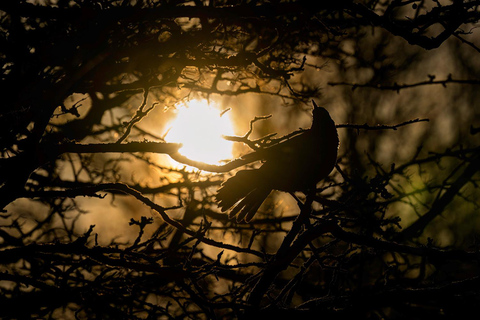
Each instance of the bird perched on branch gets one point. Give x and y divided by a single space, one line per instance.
296 164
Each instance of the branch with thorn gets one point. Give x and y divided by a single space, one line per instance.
380 126
397 87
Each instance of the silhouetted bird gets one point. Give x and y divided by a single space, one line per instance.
296 164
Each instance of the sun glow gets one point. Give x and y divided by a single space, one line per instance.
199 126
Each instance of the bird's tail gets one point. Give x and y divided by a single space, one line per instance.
244 192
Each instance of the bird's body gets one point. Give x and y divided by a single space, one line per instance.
296 164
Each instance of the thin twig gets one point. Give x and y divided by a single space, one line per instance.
397 87
380 126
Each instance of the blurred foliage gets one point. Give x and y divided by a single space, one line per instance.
391 234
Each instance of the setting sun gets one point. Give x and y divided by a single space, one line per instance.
199 126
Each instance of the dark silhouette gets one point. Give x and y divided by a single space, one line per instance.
297 164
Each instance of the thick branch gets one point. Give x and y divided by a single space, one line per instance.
155 147
404 30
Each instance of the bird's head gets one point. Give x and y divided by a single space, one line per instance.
320 115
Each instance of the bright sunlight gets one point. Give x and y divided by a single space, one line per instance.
199 127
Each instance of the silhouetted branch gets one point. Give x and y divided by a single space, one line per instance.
397 87
90 191
380 126
441 202
165 11
130 147
211 167
453 15
75 78
70 184
426 294
284 256
139 115
245 138
435 157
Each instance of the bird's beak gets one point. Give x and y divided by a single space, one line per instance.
314 105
